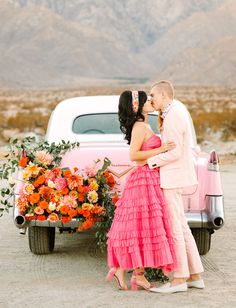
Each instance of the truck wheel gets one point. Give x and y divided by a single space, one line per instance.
203 239
41 240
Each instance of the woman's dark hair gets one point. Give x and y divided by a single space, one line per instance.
127 116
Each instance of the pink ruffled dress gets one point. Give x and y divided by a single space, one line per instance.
140 234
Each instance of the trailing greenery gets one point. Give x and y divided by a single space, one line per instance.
19 148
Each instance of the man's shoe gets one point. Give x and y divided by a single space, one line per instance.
168 288
198 284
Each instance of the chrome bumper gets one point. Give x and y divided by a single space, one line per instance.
211 218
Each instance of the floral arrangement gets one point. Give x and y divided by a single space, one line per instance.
49 192
62 194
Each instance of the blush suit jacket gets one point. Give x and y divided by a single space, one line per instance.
176 166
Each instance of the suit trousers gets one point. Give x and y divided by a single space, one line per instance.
187 254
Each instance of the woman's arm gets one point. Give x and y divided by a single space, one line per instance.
138 134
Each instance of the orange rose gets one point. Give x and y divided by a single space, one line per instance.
65 191
80 189
73 193
36 184
98 210
34 198
72 213
67 173
81 197
86 213
111 180
80 211
41 217
46 192
115 198
65 219
57 172
87 224
53 217
64 209
41 179
73 181
23 162
43 204
106 174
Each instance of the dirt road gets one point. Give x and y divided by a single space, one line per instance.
73 276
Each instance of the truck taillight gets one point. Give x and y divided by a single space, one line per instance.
213 164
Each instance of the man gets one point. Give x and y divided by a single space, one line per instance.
177 171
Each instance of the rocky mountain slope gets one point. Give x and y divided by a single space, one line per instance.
59 43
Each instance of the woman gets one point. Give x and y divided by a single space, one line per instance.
140 235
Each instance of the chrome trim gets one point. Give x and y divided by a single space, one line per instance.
197 219
74 223
213 167
212 218
18 219
215 210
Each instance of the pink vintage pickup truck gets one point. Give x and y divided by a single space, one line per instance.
93 122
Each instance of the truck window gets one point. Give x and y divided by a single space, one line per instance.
103 123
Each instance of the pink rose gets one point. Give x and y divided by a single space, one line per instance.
69 201
44 158
49 176
60 183
90 171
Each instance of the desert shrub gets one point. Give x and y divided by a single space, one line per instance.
2 126
28 121
225 122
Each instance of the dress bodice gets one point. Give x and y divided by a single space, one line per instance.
151 143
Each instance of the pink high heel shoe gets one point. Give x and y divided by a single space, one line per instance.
112 274
135 284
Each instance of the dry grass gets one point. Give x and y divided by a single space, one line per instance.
27 121
213 122
213 109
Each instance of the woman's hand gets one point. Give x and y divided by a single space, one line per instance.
170 145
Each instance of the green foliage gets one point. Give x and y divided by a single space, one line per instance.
104 225
155 274
17 149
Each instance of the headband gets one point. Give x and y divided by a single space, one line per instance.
135 102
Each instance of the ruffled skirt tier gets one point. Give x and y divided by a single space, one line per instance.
140 234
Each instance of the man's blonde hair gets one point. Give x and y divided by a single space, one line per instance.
165 86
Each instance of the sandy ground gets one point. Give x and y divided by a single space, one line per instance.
73 276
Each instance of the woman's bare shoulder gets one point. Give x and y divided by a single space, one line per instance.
139 128
140 124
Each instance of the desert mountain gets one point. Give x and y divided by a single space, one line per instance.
59 43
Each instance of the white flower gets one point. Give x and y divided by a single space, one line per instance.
51 184
52 206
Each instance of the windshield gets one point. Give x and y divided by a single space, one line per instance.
103 123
